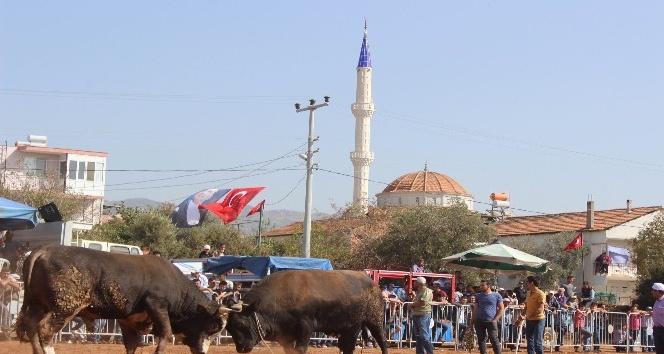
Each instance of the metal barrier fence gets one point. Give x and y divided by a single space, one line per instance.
623 331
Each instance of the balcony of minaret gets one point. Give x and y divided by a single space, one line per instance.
364 158
366 110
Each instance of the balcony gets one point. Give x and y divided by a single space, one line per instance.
625 271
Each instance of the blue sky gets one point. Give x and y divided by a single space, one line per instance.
553 102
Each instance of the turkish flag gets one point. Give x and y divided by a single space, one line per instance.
229 209
577 242
257 208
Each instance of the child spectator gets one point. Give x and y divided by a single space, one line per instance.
634 324
581 334
620 338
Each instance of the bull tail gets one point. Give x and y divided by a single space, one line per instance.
28 265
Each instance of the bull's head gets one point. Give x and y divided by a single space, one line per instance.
243 327
209 321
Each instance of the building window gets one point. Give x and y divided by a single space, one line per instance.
90 175
35 166
81 170
99 171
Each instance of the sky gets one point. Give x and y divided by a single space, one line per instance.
555 103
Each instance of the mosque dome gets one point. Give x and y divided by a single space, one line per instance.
424 188
426 181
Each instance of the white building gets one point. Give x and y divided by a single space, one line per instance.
82 173
424 188
602 230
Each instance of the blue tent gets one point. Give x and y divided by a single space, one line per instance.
17 216
262 266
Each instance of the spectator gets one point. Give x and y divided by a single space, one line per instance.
597 320
10 250
569 287
602 263
422 316
572 303
439 295
646 322
221 250
418 266
10 288
657 292
206 291
581 334
470 291
461 316
487 312
146 250
634 320
533 314
206 252
195 274
157 254
587 294
520 292
620 338
561 298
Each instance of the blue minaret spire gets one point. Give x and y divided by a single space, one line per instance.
365 57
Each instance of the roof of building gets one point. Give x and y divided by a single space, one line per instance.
575 221
426 181
365 57
375 222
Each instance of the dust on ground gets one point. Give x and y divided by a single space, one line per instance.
15 347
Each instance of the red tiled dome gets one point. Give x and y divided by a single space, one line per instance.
426 181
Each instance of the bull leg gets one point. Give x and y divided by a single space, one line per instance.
378 334
161 327
29 322
347 340
49 327
129 337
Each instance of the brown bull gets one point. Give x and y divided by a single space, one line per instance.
145 294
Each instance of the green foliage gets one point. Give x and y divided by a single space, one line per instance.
561 264
432 233
647 255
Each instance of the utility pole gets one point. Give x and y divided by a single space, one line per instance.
309 158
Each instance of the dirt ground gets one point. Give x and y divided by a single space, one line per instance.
15 347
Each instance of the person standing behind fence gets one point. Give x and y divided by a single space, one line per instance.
533 314
658 317
646 322
634 319
487 311
422 317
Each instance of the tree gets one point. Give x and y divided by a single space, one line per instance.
430 232
647 255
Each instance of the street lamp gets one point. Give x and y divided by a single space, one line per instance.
310 166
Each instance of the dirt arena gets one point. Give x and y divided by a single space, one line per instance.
15 347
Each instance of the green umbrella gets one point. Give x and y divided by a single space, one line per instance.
497 258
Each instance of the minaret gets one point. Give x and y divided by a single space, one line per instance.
363 109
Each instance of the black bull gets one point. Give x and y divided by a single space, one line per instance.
146 294
288 306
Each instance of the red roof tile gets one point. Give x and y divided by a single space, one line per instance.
576 221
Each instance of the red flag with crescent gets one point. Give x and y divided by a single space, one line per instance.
577 242
229 209
257 208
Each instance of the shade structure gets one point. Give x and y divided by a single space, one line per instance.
17 216
497 258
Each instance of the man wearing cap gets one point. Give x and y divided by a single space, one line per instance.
196 275
487 312
658 317
422 316
205 253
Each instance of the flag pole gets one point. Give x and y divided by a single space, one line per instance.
583 261
260 223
